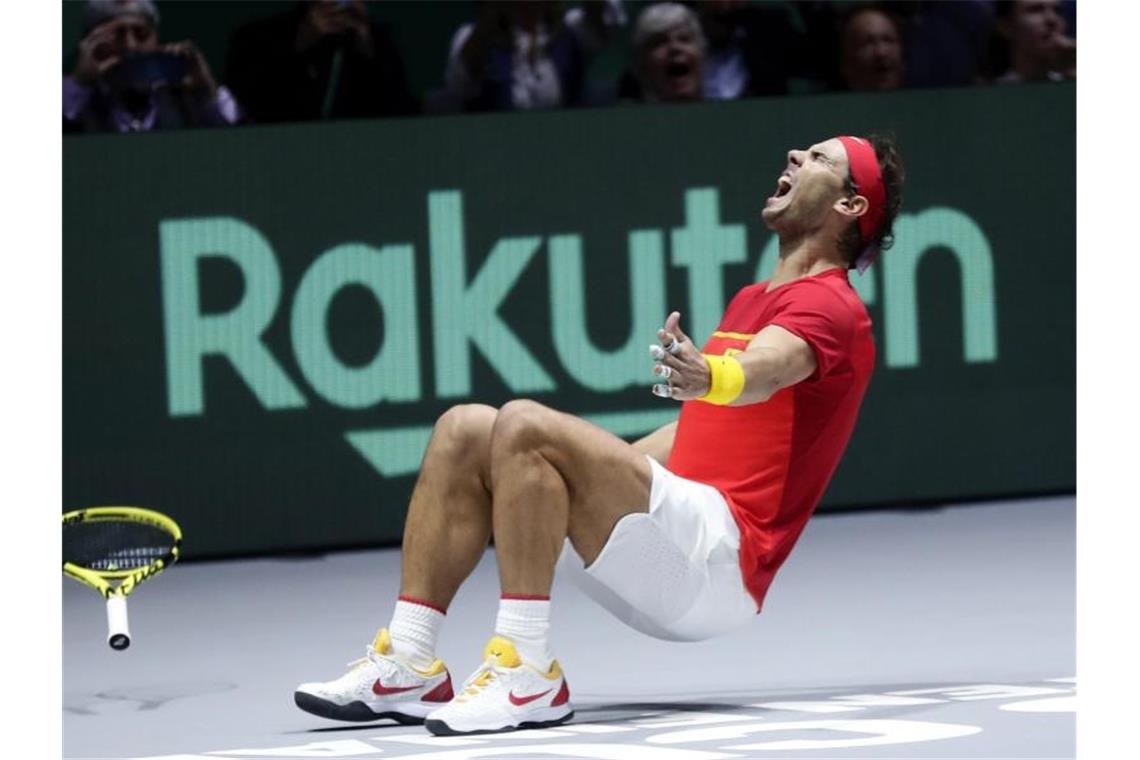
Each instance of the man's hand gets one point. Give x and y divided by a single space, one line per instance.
1064 55
775 359
198 78
96 55
679 363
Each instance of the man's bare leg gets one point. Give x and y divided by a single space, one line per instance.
446 532
555 476
449 517
552 476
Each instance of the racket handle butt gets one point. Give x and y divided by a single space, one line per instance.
118 634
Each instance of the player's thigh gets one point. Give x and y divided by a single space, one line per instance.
606 478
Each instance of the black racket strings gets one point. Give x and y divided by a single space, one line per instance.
112 545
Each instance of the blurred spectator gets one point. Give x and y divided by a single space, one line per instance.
320 60
750 48
1031 44
526 54
669 52
125 80
945 41
870 49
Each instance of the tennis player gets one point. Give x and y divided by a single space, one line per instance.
680 534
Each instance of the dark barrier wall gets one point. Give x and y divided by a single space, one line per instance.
262 324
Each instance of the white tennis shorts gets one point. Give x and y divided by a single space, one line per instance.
674 572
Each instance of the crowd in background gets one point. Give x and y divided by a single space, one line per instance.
330 59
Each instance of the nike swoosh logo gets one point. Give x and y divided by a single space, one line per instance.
381 690
523 700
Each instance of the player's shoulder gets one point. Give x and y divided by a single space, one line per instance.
829 288
830 297
747 296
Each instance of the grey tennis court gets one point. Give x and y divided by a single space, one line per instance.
920 633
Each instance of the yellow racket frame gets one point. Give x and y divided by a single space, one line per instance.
100 579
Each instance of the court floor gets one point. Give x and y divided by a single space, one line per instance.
932 633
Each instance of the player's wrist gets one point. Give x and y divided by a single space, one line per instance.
726 380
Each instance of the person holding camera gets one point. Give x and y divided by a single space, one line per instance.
125 80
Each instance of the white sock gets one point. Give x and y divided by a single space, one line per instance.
414 630
526 622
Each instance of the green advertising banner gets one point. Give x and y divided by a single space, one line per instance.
262 324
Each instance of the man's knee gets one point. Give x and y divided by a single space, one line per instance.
520 425
464 431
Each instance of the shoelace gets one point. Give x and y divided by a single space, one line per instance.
479 679
370 656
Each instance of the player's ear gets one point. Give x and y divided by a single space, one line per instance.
852 206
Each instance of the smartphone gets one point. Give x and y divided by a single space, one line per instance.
143 71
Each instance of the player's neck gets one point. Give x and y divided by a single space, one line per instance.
805 257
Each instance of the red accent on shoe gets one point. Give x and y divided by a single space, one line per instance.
563 695
422 603
530 698
526 597
441 693
381 690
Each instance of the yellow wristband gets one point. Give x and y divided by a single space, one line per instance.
726 380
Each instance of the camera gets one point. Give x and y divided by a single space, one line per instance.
146 71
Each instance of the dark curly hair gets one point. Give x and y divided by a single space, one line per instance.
851 243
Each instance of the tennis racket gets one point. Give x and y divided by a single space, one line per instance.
125 544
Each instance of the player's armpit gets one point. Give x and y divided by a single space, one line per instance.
775 359
659 443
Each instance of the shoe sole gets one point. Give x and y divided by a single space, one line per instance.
356 712
439 728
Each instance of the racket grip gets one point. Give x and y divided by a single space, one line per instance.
118 634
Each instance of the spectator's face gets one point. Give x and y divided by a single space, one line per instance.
123 35
872 56
1033 25
671 63
811 183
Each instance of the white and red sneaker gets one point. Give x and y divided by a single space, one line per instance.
504 694
379 685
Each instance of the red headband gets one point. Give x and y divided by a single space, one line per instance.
868 178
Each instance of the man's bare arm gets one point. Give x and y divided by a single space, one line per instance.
659 443
774 359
